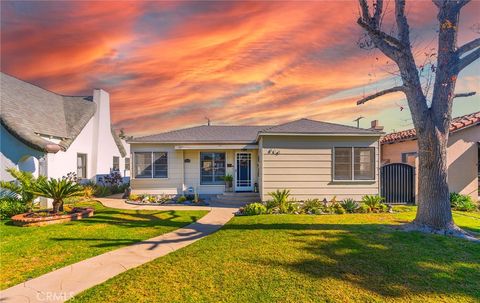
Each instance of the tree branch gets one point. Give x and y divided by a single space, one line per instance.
381 93
461 95
468 46
468 59
402 24
372 31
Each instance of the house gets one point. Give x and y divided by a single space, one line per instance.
52 135
312 159
463 153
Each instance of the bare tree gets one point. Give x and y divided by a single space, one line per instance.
430 119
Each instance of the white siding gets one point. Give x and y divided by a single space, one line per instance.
304 166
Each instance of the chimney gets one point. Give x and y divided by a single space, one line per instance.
375 125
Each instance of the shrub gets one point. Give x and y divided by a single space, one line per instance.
22 186
102 191
350 205
462 202
254 209
311 206
181 199
338 209
374 202
134 197
363 209
152 199
88 191
10 207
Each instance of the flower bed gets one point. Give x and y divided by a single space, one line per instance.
46 218
156 200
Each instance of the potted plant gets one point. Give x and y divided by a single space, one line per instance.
228 182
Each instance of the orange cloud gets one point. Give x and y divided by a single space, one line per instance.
170 64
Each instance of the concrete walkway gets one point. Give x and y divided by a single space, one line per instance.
62 284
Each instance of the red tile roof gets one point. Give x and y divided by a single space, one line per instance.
456 125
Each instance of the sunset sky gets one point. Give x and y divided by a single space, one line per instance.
171 64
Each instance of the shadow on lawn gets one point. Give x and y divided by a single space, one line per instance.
138 219
378 258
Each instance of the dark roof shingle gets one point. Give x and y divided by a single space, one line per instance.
206 133
28 111
308 126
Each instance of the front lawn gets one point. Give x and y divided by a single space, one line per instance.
307 258
28 252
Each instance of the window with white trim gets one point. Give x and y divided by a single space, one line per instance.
354 163
212 168
151 164
116 163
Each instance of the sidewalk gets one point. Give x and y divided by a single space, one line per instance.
62 284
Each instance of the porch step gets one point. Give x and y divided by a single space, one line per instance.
240 194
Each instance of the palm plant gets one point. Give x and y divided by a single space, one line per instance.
280 199
58 190
373 202
21 187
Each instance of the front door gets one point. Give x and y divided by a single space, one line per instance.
243 172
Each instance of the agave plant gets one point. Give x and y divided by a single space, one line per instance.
373 202
58 190
21 188
350 205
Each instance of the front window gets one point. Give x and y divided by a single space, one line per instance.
354 163
343 163
116 164
150 165
212 168
82 166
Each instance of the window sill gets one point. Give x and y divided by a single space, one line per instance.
353 181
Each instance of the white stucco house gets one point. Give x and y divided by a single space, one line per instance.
312 159
52 135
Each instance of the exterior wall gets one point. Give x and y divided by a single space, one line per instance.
303 164
462 159
392 153
14 153
182 175
95 140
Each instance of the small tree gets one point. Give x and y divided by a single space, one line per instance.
431 118
22 186
58 190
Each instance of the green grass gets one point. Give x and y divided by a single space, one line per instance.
28 252
305 258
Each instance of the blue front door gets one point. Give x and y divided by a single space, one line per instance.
243 172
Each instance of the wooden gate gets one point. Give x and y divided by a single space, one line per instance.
397 183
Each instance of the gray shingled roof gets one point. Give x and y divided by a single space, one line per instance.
307 126
118 142
206 134
248 134
28 110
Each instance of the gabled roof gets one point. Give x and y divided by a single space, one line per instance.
457 124
249 134
206 134
308 126
29 111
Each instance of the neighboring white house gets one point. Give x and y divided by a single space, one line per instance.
312 159
52 135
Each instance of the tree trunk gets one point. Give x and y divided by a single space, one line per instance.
434 211
56 206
